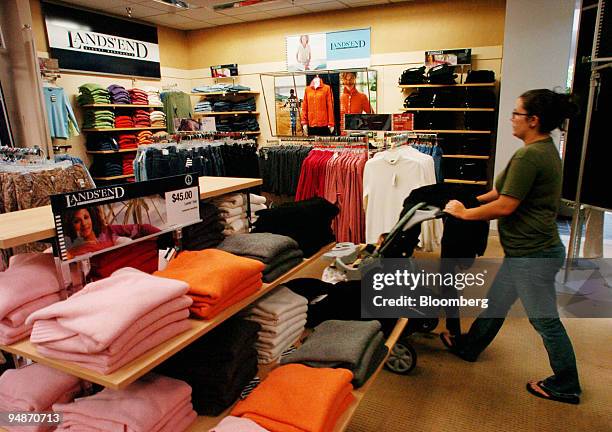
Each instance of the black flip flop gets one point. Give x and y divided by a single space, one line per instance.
569 399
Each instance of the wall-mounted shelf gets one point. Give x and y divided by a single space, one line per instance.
121 129
450 109
452 131
471 182
463 156
111 151
26 226
226 93
120 106
213 113
406 86
140 366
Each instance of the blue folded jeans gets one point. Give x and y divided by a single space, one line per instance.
531 279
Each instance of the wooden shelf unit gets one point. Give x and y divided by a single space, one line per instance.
205 423
26 226
407 86
143 364
450 109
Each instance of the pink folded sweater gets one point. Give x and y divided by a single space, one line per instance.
144 406
36 387
13 327
90 320
237 424
29 277
110 364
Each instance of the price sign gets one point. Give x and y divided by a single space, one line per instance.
403 122
182 206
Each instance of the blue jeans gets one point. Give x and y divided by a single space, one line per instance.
533 281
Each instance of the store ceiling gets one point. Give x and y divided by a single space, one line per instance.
202 15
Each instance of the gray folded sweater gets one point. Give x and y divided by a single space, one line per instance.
328 344
264 246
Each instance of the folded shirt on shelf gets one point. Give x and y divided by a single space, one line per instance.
29 284
101 142
152 95
217 279
154 403
298 398
19 391
228 350
104 326
237 424
93 94
327 346
124 121
220 88
118 94
138 97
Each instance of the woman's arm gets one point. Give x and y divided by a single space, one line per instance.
504 205
489 196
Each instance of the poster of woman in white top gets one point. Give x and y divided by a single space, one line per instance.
306 52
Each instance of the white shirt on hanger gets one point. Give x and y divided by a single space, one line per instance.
388 179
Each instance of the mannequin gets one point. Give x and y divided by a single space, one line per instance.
352 101
318 109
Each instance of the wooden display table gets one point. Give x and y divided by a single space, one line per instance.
26 226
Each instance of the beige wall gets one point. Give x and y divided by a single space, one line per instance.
410 26
400 34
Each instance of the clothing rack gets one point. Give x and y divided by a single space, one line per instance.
18 153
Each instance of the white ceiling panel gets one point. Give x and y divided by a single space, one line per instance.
224 20
171 20
324 6
288 12
194 25
96 4
138 11
202 13
257 16
278 4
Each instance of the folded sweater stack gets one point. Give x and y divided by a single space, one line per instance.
29 284
217 366
154 403
237 424
93 94
307 222
128 141
298 398
152 95
112 321
233 210
118 94
124 121
207 233
328 346
35 388
142 118
158 118
138 97
217 279
145 137
99 119
282 316
279 253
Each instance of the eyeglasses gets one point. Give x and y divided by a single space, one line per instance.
516 114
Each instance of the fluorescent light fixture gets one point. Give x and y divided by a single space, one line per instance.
179 4
240 3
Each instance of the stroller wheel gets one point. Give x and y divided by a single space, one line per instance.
402 359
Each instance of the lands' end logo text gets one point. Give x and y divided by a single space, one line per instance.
348 44
97 42
93 196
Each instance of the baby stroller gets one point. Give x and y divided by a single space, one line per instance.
398 243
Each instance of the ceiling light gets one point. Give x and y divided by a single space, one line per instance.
179 4
239 3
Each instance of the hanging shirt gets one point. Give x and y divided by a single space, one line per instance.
388 179
59 113
318 107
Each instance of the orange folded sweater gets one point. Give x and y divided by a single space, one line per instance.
205 310
211 273
298 398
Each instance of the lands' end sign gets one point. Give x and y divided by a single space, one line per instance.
86 41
